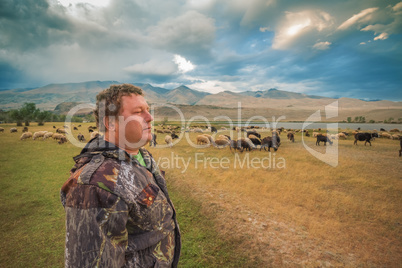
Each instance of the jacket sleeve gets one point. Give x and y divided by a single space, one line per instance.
96 234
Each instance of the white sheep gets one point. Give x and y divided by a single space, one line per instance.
39 134
168 140
211 140
201 140
47 135
57 136
220 137
26 135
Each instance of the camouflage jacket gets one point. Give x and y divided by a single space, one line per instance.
118 213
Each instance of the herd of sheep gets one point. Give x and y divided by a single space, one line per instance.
59 134
249 138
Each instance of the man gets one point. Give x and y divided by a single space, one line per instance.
118 211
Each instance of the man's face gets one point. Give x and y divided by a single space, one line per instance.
134 122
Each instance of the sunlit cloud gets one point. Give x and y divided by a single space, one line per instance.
299 24
322 45
397 7
363 15
382 36
183 65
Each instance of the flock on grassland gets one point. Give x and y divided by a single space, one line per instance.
58 134
250 138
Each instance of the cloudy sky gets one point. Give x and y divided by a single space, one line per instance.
343 48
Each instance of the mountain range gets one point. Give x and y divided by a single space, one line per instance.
50 96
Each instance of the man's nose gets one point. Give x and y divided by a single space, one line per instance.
148 117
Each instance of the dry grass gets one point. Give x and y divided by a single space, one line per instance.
301 211
296 211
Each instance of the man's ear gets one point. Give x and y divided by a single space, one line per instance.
109 123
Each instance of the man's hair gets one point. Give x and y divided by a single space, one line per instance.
108 101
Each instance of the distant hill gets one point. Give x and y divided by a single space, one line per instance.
65 107
62 97
184 95
274 93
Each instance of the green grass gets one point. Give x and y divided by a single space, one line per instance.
32 217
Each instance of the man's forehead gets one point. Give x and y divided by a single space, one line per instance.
133 101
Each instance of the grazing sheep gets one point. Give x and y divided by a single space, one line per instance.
334 136
224 137
342 135
12 130
61 131
26 135
174 136
38 134
47 135
221 142
291 137
386 135
324 139
269 142
91 129
395 137
252 136
81 137
25 129
202 140
1 129
254 133
211 140
394 130
245 143
198 130
255 141
62 139
57 136
315 134
168 140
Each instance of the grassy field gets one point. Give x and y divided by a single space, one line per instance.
250 209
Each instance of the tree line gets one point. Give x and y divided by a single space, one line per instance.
30 113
